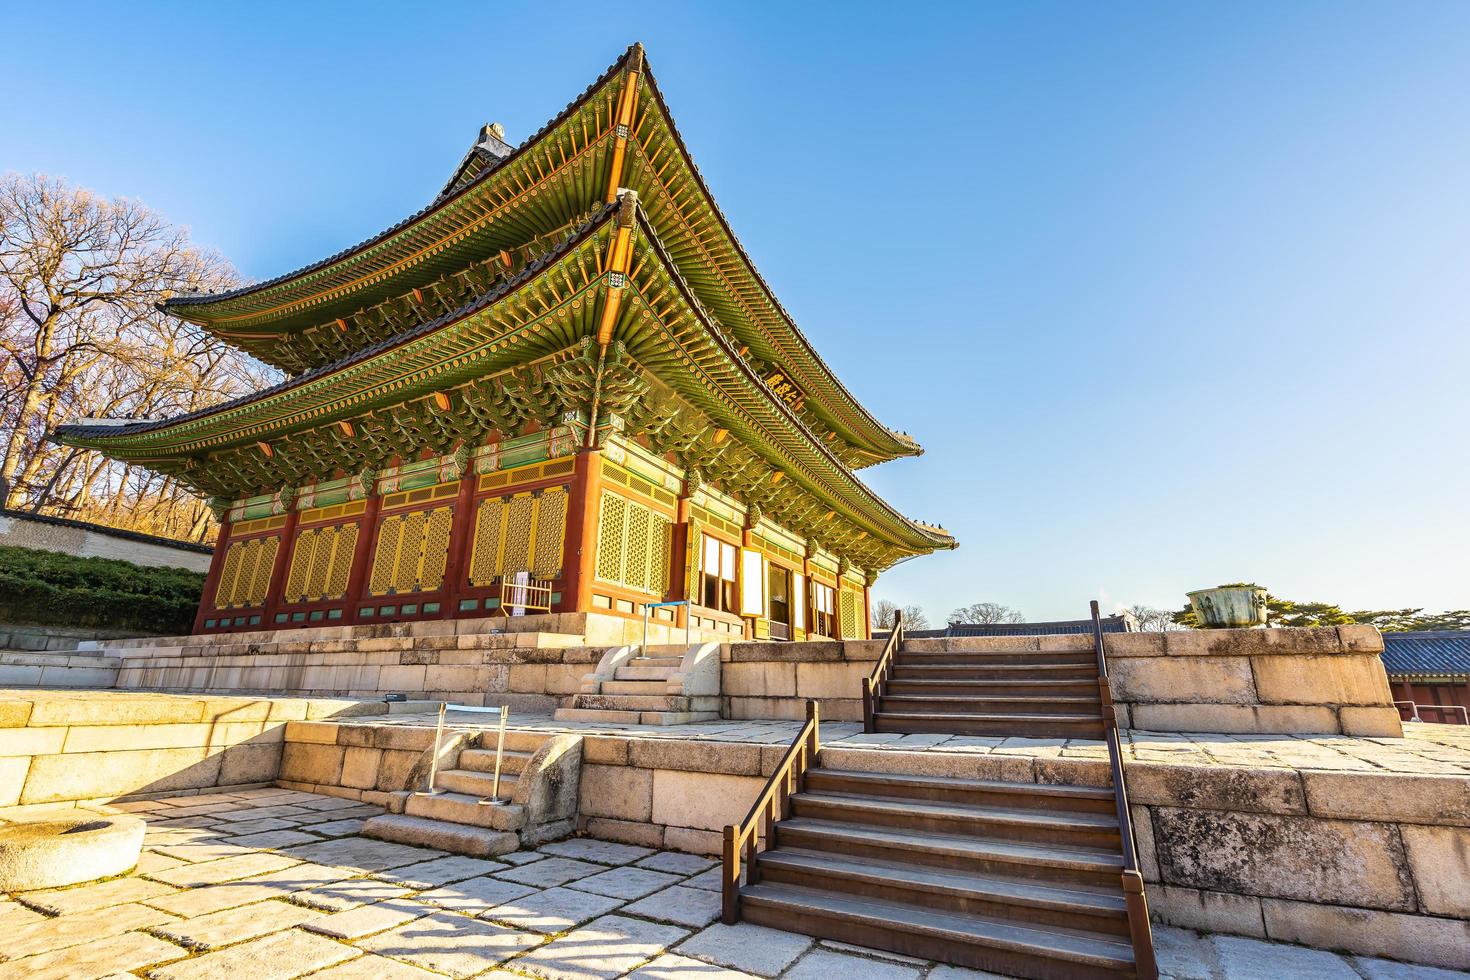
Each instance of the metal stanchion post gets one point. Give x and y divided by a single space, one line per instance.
495 799
434 759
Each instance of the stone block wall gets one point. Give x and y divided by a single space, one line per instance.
66 747
775 680
1373 863
1328 681
360 762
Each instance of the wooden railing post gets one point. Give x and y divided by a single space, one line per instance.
874 683
730 880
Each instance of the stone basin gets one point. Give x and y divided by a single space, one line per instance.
48 852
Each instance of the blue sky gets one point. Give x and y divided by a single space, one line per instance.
1173 294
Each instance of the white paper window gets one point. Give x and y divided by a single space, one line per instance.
752 583
798 590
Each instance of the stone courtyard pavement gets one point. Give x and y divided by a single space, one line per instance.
270 884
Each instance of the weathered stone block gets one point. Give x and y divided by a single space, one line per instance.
1239 718
1120 645
965 765
251 763
314 732
1191 908
1304 858
759 709
31 741
1395 797
403 679
1360 639
13 771
87 775
1416 938
1217 680
711 757
764 680
1216 788
1440 860
702 801
1371 722
1143 843
620 792
360 766
624 831
694 841
813 651
1334 680
823 681
605 750
309 762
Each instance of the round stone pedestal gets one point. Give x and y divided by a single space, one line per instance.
48 852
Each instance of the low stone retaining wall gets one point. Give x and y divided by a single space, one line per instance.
1371 863
58 747
360 762
1326 681
57 670
775 680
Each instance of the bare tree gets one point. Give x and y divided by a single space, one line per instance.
80 336
914 617
1151 620
986 612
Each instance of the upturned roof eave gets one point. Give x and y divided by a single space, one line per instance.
876 439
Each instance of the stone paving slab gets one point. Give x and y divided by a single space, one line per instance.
433 914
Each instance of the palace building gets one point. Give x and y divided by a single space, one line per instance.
560 387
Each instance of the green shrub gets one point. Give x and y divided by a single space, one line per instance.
45 588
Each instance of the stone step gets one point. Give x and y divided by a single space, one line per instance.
1036 902
483 760
989 705
644 702
609 717
473 783
1077 829
1027 657
1088 726
981 792
1082 688
515 741
1057 863
975 941
465 809
994 672
648 688
644 669
440 835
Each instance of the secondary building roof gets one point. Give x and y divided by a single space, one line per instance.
1430 655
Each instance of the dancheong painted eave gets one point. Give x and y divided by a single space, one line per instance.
541 188
682 348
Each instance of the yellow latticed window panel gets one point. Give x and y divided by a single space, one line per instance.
344 550
385 556
483 559
301 558
246 577
849 605
635 568
517 550
551 527
225 588
321 563
436 549
612 527
412 552
633 543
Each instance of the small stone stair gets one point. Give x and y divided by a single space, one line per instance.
990 686
459 816
1015 878
641 690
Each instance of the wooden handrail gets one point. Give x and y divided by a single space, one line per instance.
742 842
874 683
1139 929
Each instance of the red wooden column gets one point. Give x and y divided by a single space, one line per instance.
583 494
461 535
278 573
679 561
362 560
211 578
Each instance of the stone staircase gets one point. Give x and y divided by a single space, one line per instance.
1015 878
664 685
539 779
994 686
